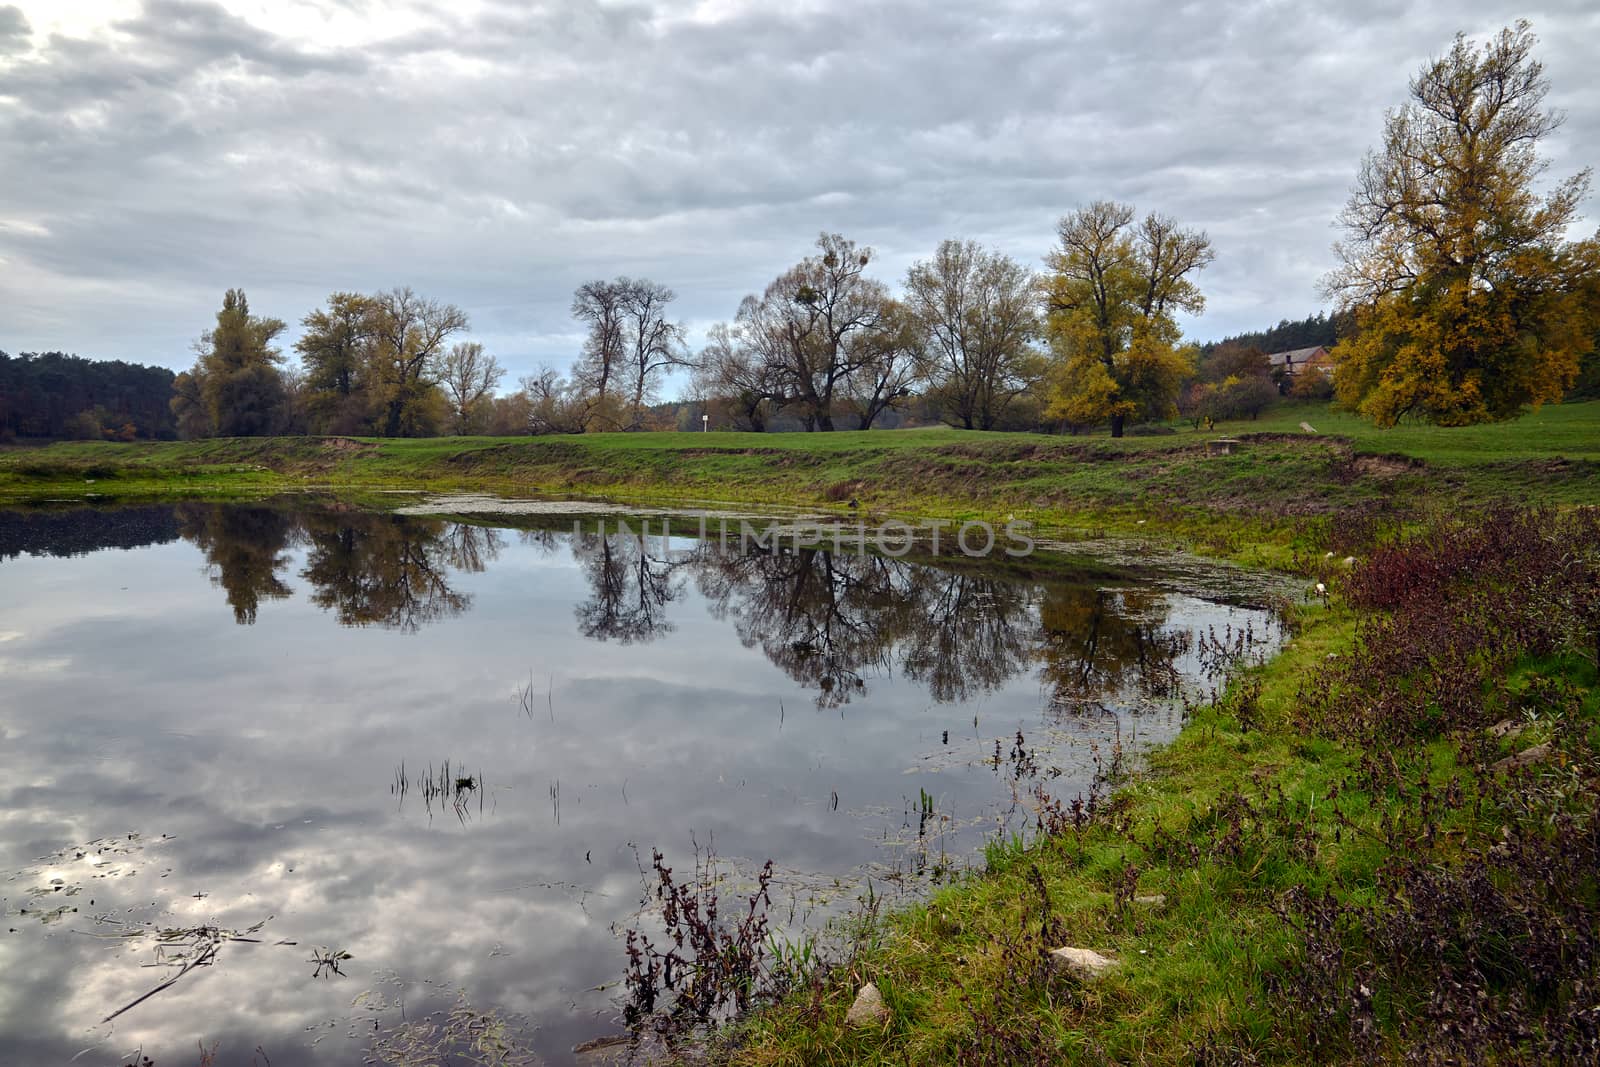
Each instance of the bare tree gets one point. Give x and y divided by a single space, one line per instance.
652 343
602 306
893 365
814 323
469 379
733 371
979 310
555 403
409 335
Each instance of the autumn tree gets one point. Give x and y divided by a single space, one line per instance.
1233 359
235 388
409 334
510 414
189 406
1114 288
336 353
979 313
1464 286
469 377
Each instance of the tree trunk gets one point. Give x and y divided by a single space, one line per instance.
391 423
1117 422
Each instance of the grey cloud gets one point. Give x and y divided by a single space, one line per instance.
14 29
198 31
497 159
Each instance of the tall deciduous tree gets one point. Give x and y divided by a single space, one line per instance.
235 388
469 377
653 343
1464 286
979 310
894 365
600 305
628 342
409 337
189 405
1113 290
336 354
815 325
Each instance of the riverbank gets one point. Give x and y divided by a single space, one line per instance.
1381 846
1271 496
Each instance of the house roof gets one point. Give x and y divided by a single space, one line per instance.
1294 356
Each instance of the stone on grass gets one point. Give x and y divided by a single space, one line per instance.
1084 964
869 1008
1528 756
1507 728
1152 900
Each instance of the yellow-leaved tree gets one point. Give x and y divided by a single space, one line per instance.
1467 296
1110 298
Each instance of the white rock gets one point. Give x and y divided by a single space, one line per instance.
1084 964
869 1008
1153 900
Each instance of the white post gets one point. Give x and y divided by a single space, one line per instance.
705 423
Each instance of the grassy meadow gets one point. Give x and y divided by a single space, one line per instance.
1270 499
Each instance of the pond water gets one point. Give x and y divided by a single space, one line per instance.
248 738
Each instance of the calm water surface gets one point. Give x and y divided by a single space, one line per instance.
446 749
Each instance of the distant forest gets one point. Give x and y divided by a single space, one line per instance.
54 395
1319 329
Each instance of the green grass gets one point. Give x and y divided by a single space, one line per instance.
1194 971
1256 504
1571 431
1185 967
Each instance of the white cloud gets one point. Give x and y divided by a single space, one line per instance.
496 155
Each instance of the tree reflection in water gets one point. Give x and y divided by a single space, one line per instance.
245 549
823 618
631 582
1103 645
393 571
831 621
370 570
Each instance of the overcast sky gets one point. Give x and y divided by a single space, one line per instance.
497 154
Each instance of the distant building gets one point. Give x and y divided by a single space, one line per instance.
1295 360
